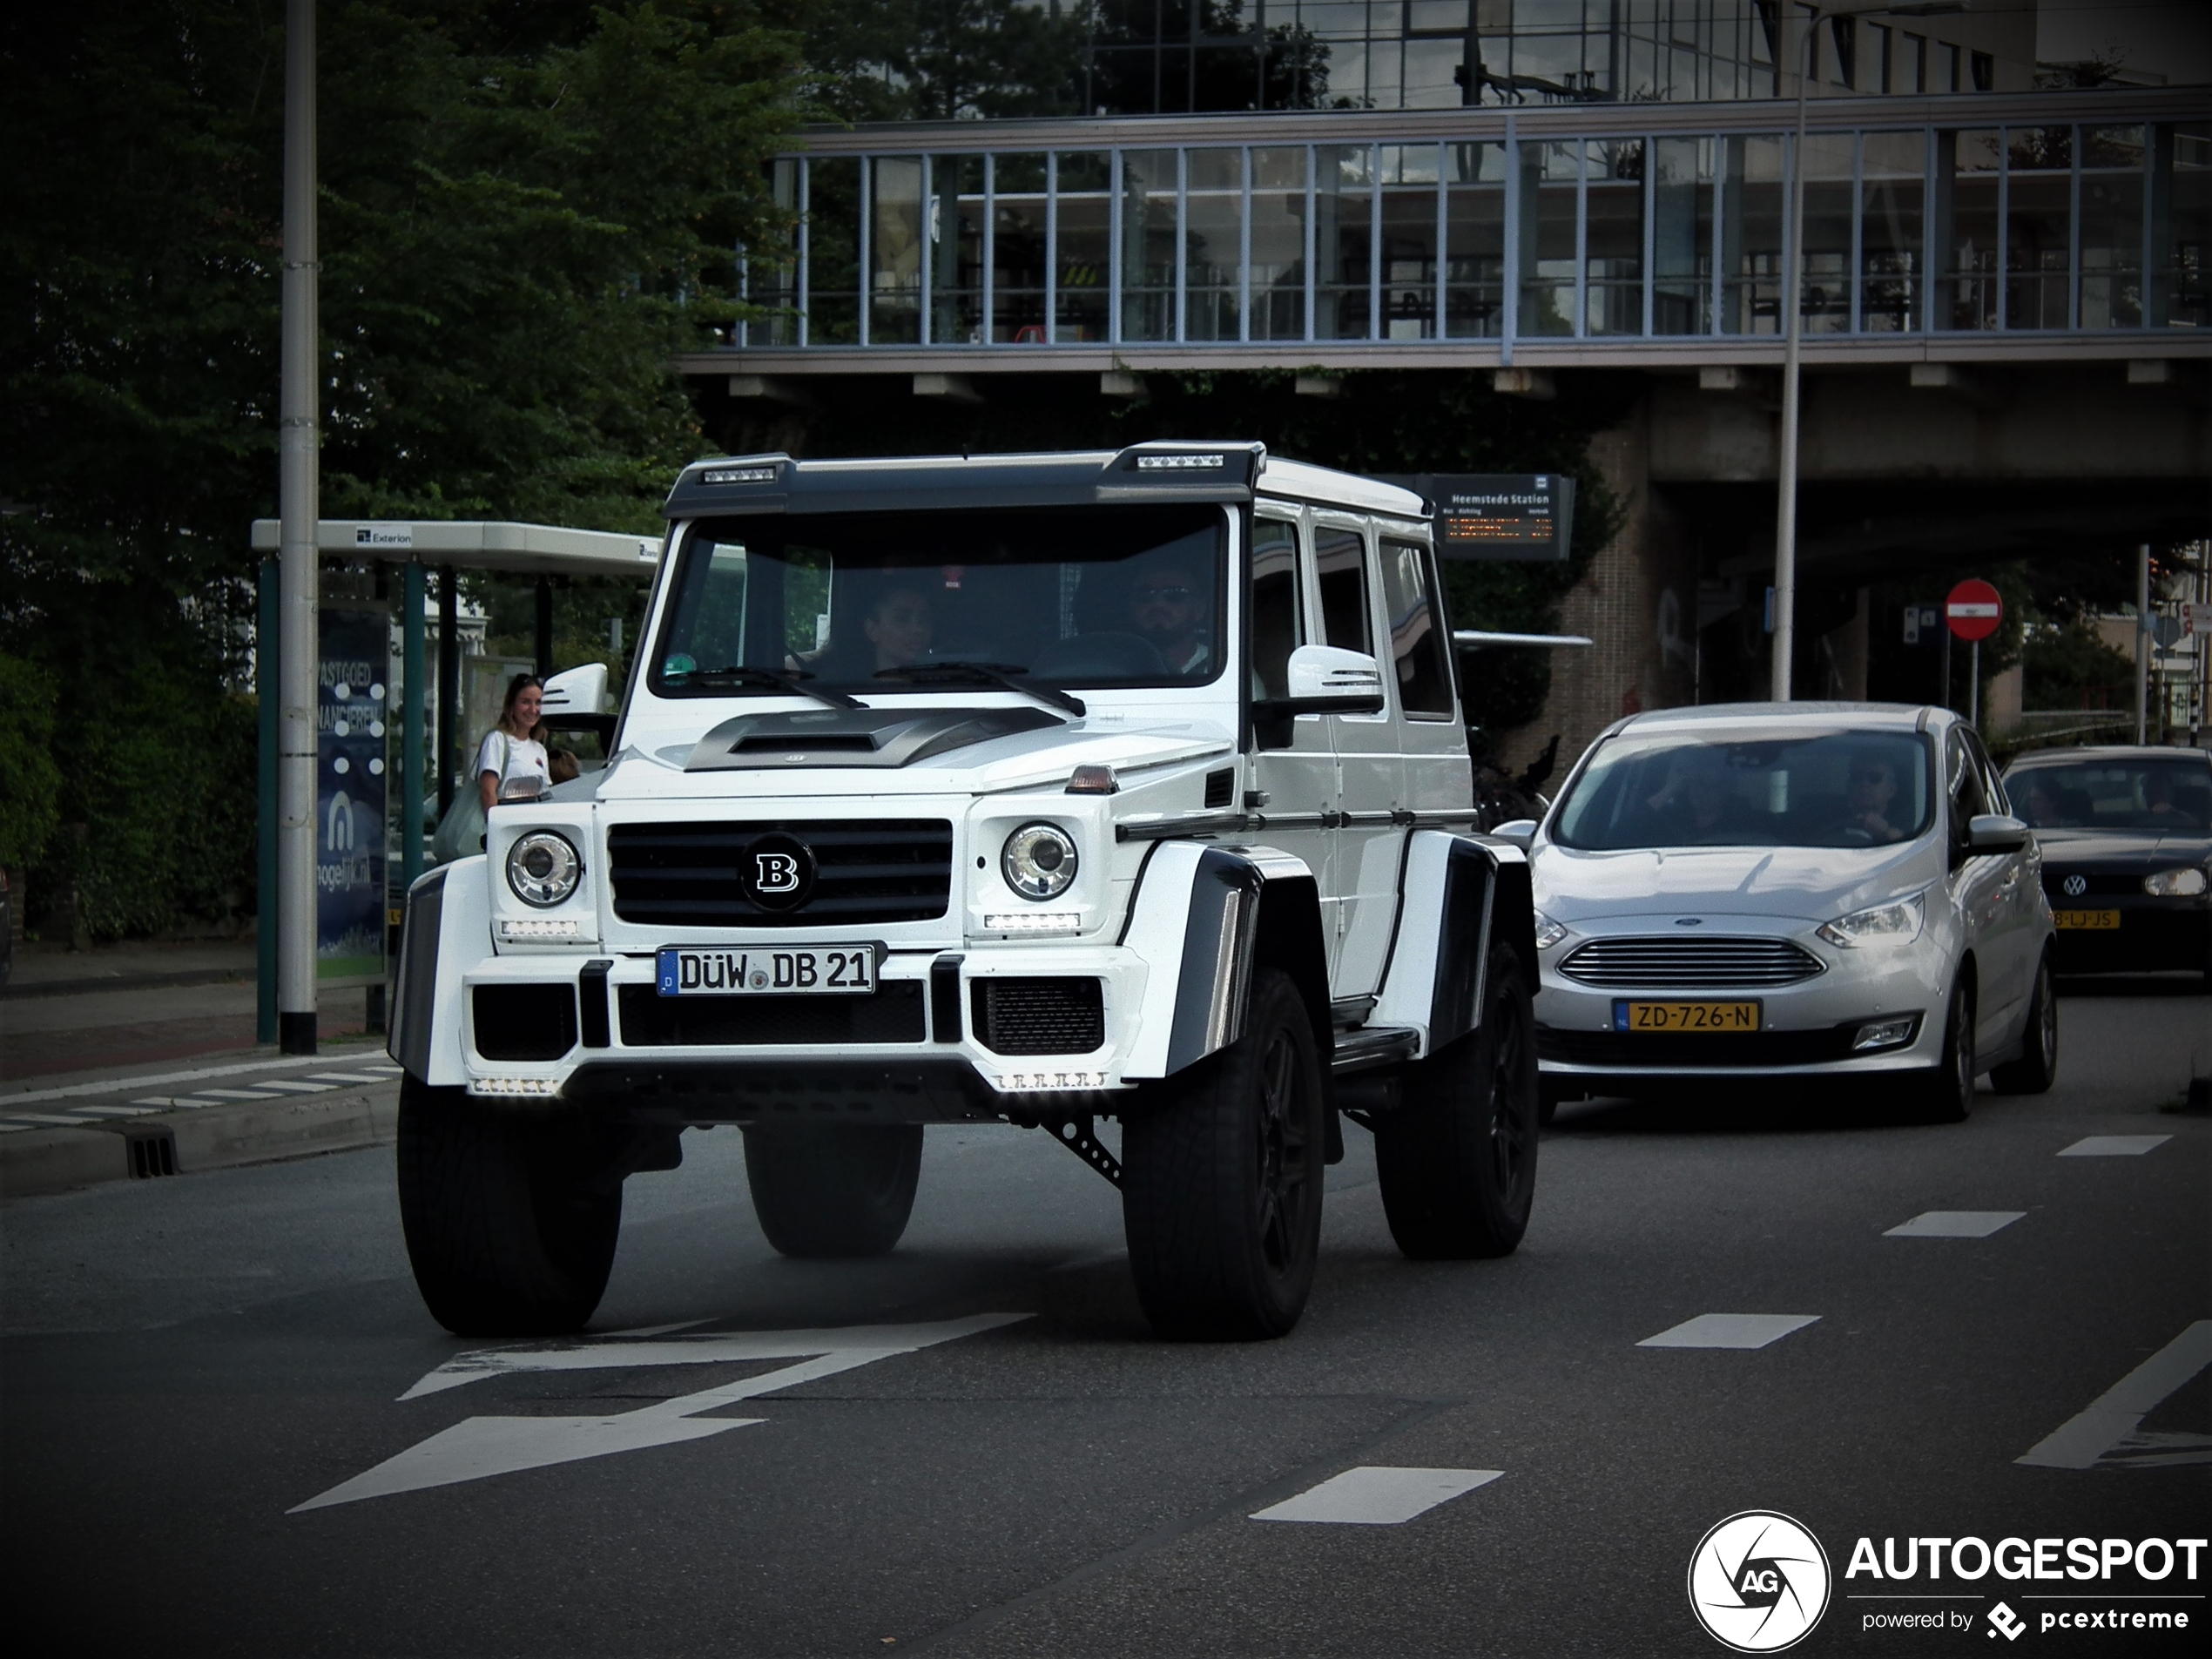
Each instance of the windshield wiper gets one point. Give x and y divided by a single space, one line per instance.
997 674
762 679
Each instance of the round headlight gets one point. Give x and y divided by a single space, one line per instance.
2174 884
543 867
1039 860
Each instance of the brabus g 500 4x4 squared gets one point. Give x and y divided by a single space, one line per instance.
1033 788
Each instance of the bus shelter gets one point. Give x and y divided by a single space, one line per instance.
352 718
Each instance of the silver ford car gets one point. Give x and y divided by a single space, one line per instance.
1777 891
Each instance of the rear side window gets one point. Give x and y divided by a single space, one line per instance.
1276 622
1416 638
1341 557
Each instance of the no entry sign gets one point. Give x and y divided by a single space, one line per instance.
1974 610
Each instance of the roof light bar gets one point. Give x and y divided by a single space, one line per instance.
740 474
1181 463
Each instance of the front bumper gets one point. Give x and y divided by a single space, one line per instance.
1805 1029
911 1052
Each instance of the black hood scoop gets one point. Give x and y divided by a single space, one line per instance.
855 737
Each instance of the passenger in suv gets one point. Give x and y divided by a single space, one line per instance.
1139 826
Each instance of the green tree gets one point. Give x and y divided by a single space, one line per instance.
31 784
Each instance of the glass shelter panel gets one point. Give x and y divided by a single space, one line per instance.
1548 189
1892 230
1754 213
1018 260
1682 236
834 252
2180 181
1613 170
1148 212
2039 226
1409 185
1083 245
2112 228
1213 222
1967 170
1278 243
1344 206
895 251
1474 249
956 251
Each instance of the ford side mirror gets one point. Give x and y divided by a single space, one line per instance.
1995 833
1321 679
1518 832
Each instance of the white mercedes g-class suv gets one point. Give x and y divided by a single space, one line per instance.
1037 789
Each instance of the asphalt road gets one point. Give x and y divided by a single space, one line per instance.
188 1362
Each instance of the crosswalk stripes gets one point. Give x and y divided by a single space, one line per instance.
267 1090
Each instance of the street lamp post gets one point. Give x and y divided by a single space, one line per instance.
298 606
1785 512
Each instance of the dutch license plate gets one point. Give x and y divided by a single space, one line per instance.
1685 1016
815 970
2094 920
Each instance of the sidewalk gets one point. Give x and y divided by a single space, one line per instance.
53 970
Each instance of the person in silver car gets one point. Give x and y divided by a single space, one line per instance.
1804 890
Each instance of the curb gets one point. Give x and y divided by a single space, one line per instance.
41 1162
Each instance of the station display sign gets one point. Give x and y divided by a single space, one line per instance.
1524 516
353 684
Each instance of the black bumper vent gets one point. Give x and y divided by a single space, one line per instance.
524 1022
1040 1015
894 1014
1751 1049
864 871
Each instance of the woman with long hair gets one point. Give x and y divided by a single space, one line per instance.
511 760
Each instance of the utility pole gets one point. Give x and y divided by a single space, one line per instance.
300 504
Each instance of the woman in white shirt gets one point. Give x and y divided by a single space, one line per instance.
511 760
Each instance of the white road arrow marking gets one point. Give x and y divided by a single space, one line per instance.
482 1446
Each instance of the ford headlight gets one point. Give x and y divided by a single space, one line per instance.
1898 923
543 867
1039 860
2174 884
1548 932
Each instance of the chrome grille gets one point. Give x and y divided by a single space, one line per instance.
1669 964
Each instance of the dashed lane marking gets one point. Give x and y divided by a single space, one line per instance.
114 1111
1371 1496
2114 1146
2110 1431
1954 1224
1730 1330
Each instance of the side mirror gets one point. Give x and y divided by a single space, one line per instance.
578 691
1519 832
1322 679
1995 833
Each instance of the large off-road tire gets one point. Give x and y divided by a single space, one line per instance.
510 1224
844 1190
1944 1093
1457 1161
1221 1181
2038 1065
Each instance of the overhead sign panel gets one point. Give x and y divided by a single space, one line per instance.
1498 516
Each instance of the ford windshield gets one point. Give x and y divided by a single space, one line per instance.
889 602
1742 789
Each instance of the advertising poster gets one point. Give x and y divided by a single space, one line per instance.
353 680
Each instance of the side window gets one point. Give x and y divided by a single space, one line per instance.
1341 557
1963 776
1416 640
1277 619
1993 785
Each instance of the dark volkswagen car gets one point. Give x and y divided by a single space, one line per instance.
2127 840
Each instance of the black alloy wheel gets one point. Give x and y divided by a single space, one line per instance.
1222 1179
1457 1161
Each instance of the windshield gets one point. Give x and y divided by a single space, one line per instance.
880 602
1738 789
2150 795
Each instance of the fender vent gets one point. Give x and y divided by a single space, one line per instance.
1040 1015
1221 787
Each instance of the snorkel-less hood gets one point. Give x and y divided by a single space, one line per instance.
1811 883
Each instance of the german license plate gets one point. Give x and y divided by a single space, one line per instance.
1685 1016
2091 921
817 970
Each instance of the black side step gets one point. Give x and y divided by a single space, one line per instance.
1373 1045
